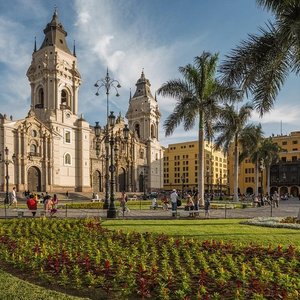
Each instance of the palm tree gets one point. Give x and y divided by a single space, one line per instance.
261 63
232 128
198 95
268 152
251 140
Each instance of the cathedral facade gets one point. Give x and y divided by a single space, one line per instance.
56 150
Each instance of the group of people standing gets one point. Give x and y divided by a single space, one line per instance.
49 203
192 204
267 200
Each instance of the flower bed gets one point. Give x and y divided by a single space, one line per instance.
81 254
275 222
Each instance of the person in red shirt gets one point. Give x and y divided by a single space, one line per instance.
32 204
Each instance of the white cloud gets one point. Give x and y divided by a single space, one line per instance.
289 113
13 51
106 42
14 60
83 18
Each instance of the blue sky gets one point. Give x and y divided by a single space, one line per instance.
127 36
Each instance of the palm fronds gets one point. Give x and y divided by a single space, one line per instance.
261 63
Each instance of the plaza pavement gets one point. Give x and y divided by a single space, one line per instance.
286 208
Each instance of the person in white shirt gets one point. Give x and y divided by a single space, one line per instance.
14 197
174 198
154 203
276 198
97 197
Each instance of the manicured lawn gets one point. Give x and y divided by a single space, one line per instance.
226 230
13 288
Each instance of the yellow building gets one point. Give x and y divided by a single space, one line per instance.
284 175
181 167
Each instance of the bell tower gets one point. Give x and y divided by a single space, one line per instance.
55 81
143 119
53 75
143 113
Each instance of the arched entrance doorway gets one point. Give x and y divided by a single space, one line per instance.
34 179
283 190
122 180
142 187
97 182
294 191
249 190
273 189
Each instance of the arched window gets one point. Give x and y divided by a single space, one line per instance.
67 159
40 99
153 135
33 149
64 97
137 130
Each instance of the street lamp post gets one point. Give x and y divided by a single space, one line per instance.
102 158
6 162
261 167
143 178
107 83
144 185
111 212
98 143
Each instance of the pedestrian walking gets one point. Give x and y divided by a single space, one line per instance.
174 198
276 198
196 203
154 204
165 203
13 198
123 203
207 207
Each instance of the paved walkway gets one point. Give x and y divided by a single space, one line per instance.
286 208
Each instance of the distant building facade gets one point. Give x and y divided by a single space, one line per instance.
55 147
181 168
284 174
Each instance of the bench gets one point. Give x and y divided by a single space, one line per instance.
175 213
42 213
194 212
96 200
20 213
156 207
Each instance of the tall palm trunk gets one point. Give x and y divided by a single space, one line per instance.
268 179
236 170
256 177
201 158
